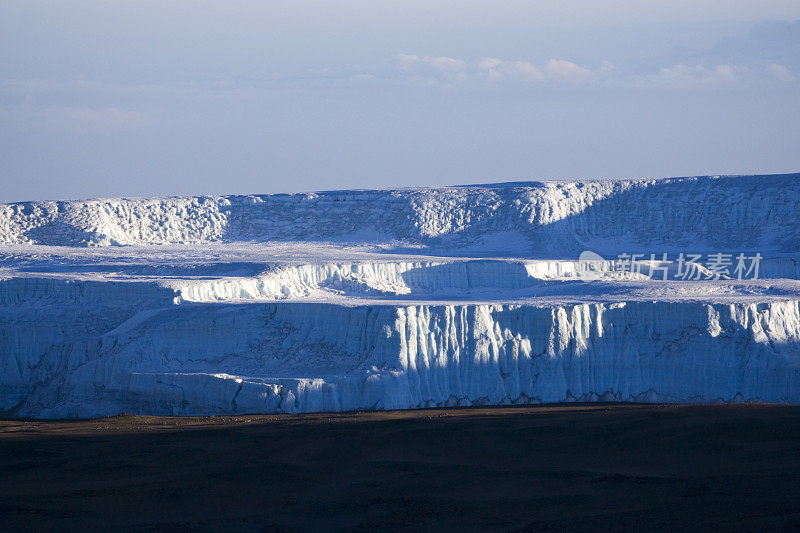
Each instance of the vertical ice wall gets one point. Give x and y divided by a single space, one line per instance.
217 358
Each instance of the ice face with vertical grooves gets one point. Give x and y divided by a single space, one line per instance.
395 299
309 357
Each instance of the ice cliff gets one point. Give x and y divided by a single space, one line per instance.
395 299
554 218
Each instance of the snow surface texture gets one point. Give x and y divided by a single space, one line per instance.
395 299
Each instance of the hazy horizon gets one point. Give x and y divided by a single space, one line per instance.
140 99
522 182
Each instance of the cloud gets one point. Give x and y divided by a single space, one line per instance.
489 63
607 67
779 72
440 64
87 120
432 70
496 69
566 70
406 69
681 75
522 70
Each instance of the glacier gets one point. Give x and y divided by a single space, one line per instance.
397 299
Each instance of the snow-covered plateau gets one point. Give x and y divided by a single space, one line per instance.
396 299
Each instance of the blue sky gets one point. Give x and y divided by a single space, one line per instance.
101 98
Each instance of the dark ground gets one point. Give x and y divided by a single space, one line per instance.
585 467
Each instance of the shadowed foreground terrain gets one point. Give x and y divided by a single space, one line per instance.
539 468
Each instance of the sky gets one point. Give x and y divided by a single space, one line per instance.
103 98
